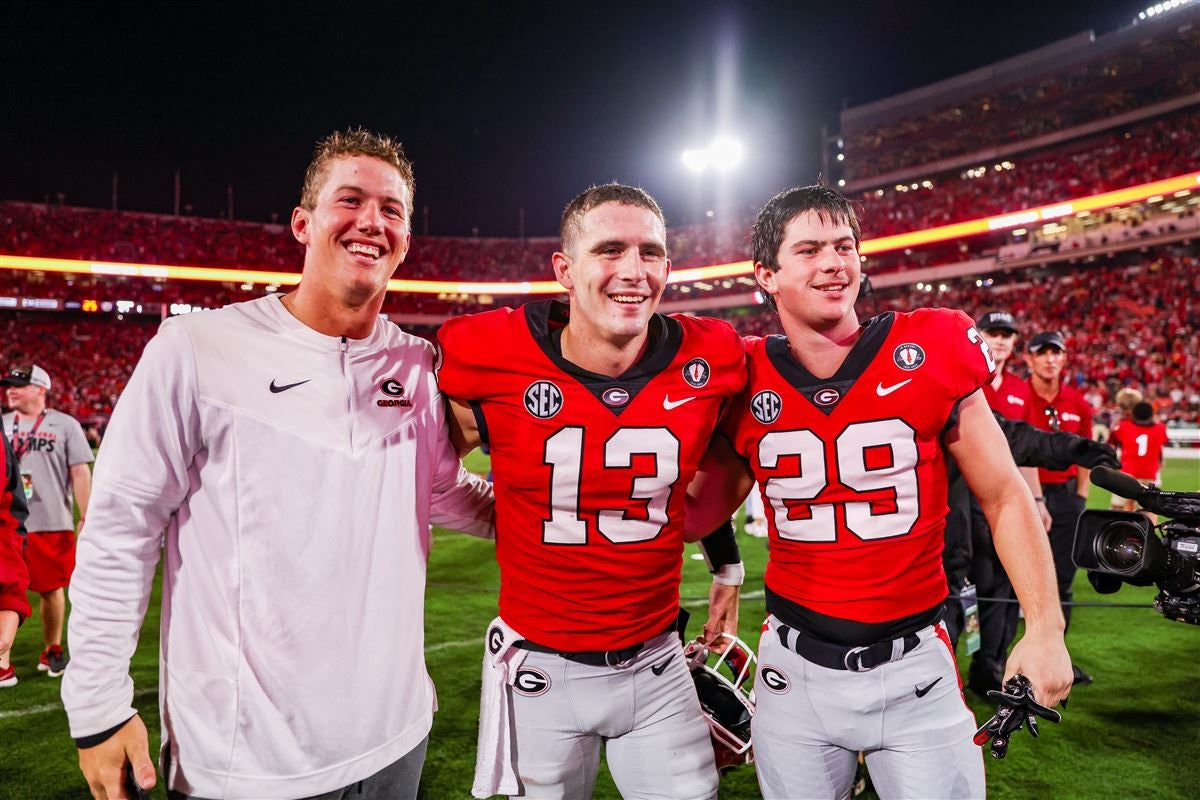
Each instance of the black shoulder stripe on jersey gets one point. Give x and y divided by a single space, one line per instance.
952 417
546 320
480 421
875 332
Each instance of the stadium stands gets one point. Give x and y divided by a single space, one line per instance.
1132 70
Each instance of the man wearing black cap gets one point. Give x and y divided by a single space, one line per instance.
54 456
1055 406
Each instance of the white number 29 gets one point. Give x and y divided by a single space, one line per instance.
852 471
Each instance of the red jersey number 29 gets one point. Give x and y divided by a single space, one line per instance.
897 473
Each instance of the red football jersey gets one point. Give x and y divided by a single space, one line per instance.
851 467
1141 448
1011 400
590 471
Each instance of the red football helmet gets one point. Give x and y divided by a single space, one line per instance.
726 701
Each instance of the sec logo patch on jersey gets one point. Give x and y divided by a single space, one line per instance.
908 356
543 399
765 406
531 682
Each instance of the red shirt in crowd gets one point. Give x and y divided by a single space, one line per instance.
1011 400
1066 411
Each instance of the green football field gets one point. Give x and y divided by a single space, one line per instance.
1131 734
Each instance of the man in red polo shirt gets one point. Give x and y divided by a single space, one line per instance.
1055 406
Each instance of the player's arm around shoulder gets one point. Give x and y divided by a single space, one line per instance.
721 484
978 445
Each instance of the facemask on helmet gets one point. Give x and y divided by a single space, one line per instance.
721 682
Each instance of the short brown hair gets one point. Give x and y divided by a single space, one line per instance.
354 142
572 217
774 216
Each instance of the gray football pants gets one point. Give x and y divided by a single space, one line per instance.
811 722
646 714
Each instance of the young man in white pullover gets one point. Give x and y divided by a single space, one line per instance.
289 454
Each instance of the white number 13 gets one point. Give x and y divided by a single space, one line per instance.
564 455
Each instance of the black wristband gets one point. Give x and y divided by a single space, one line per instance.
720 548
84 742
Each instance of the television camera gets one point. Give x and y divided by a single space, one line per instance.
1124 546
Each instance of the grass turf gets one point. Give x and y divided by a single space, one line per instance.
1131 734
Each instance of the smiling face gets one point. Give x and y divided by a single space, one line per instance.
817 281
357 232
615 273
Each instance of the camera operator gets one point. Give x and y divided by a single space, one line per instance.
1055 406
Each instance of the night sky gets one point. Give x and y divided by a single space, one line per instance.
501 106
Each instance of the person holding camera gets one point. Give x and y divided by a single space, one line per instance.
1056 406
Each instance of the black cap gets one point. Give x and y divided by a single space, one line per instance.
1047 339
997 321
25 375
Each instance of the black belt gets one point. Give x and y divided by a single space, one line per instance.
593 658
840 656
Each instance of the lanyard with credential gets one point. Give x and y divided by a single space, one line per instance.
22 447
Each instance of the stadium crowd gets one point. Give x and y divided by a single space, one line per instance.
1143 73
1159 149
1156 149
1132 321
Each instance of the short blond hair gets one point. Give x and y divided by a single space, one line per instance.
354 142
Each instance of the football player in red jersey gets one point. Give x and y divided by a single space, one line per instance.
846 426
598 412
1141 440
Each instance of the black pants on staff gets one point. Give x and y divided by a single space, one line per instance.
1064 506
997 618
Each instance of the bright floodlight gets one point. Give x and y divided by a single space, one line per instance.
696 160
723 154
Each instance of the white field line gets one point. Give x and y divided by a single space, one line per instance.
42 709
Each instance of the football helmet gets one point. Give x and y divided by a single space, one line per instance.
725 698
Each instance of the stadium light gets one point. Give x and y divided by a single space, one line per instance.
724 153
695 160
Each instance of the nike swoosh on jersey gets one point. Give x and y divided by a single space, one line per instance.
884 392
658 669
668 403
922 692
277 389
